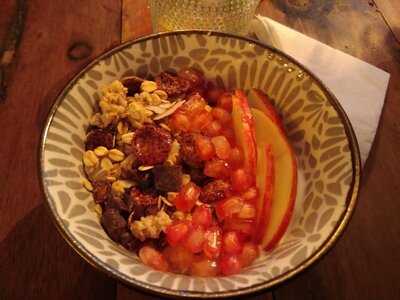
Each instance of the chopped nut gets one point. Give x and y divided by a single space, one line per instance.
208 108
150 226
127 138
148 86
116 155
101 151
160 93
87 184
90 159
106 164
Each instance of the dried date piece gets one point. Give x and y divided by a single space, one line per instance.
151 145
167 178
117 203
132 83
114 224
99 137
188 152
174 86
198 176
215 191
195 78
129 241
141 204
101 191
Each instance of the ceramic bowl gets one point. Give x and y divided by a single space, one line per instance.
324 142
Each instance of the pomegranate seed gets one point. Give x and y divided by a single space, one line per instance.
241 180
221 115
213 242
231 243
176 232
229 264
213 129
249 253
248 211
152 258
202 216
187 197
228 207
204 147
195 240
204 267
217 168
222 147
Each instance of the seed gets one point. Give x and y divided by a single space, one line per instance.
106 164
90 159
148 86
127 138
116 155
101 151
87 184
160 93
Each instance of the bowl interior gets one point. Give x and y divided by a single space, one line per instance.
325 148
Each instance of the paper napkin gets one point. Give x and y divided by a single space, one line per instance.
359 86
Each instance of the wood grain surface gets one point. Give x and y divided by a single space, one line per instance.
60 37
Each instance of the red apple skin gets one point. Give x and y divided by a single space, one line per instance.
288 216
239 101
266 199
269 131
259 100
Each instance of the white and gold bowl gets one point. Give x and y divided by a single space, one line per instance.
322 137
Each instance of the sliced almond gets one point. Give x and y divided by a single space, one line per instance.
145 168
170 111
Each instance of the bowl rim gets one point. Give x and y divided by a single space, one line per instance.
351 198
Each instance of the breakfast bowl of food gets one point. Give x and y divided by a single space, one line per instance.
199 164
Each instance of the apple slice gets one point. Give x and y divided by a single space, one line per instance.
285 178
259 100
243 126
264 182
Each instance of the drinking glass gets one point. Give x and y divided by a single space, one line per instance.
222 15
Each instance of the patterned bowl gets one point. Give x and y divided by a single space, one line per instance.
324 142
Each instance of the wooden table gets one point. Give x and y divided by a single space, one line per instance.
44 43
